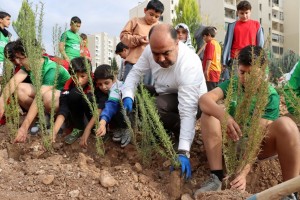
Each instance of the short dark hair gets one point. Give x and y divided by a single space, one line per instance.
120 47
209 31
155 5
249 54
4 14
244 5
83 36
19 48
8 50
172 32
75 20
78 65
104 72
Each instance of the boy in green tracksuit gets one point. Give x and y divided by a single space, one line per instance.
27 91
70 41
4 38
292 91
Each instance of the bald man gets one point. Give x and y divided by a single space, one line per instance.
178 82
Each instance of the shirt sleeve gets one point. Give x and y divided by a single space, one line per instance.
49 77
112 105
190 89
272 108
209 51
292 90
127 35
63 37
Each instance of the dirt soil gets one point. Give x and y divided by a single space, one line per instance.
28 172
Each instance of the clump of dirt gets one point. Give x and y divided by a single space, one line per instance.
224 195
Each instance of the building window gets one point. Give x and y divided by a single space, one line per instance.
275 38
269 2
260 20
275 2
280 50
260 6
281 16
269 16
275 49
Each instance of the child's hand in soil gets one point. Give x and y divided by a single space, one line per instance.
21 135
101 131
240 180
239 183
84 138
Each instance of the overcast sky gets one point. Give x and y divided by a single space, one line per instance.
96 15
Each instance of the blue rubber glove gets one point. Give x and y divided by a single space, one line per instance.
128 102
185 166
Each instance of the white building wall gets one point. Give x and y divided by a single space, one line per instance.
102 48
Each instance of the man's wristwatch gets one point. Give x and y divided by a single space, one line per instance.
185 153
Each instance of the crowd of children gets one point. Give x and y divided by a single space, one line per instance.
73 94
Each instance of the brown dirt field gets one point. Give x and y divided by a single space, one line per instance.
29 172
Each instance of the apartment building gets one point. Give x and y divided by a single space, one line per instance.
292 25
102 49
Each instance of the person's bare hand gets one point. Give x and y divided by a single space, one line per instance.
233 129
144 40
101 131
21 135
239 182
84 139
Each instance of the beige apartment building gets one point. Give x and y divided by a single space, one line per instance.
292 25
102 49
280 19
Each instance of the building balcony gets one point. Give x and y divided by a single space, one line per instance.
277 27
276 19
276 43
229 4
276 7
274 31
230 13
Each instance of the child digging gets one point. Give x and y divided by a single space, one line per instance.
108 95
71 99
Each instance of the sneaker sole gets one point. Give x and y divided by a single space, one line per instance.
124 144
116 139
